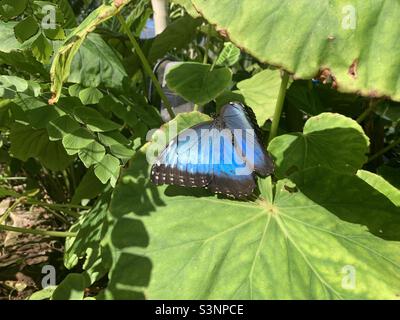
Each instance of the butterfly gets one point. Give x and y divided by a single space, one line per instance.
222 155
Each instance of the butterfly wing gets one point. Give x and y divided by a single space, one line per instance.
184 161
230 176
236 116
204 156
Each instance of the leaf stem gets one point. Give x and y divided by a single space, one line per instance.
367 111
279 106
207 47
384 150
146 65
62 234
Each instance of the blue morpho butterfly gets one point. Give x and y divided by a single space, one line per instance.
222 155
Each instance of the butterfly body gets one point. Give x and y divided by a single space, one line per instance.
222 155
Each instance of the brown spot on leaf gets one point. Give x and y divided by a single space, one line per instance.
224 33
118 3
353 69
52 100
326 76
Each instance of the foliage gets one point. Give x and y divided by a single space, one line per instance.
76 123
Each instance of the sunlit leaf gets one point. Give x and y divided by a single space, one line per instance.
329 139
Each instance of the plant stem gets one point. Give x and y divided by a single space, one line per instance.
207 48
384 150
367 111
279 106
4 217
63 234
56 205
146 65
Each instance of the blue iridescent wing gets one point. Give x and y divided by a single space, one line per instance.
236 116
204 156
183 162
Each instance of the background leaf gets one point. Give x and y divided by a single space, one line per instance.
196 82
260 92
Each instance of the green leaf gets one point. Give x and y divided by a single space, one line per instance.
8 42
72 287
43 294
88 188
182 121
61 66
272 33
91 228
328 139
61 126
289 244
229 55
108 169
92 154
77 140
42 49
27 142
26 29
302 95
388 110
90 95
122 152
113 137
177 35
96 63
187 4
381 185
12 8
40 117
10 85
5 192
260 92
54 157
228 96
94 119
55 34
197 83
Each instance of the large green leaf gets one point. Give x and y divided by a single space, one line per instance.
27 142
96 64
196 82
289 244
328 139
61 65
355 40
